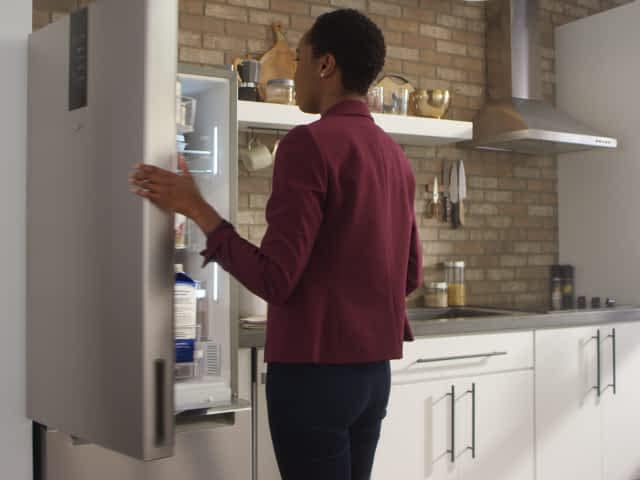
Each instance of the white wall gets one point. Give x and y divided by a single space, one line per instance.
598 72
15 430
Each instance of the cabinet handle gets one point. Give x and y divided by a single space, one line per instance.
597 339
453 424
460 357
473 420
613 351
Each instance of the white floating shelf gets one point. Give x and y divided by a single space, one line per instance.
405 129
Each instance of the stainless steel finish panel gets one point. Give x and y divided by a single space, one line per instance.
512 49
515 118
100 274
218 449
533 127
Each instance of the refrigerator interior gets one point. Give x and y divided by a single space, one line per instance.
206 147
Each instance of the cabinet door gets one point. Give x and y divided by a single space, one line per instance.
502 445
568 428
267 468
416 437
621 421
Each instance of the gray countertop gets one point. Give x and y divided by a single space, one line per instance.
255 337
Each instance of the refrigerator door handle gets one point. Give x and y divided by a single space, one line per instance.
160 432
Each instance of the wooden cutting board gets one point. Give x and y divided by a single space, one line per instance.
279 62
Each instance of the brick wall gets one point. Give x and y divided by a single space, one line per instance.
512 232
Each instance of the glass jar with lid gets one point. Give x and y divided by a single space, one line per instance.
436 295
281 90
454 275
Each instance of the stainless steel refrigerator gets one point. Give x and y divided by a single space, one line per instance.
105 92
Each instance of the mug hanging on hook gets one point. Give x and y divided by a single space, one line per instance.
256 156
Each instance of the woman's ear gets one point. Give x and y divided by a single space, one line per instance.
327 65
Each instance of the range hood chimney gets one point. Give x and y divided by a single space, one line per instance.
515 117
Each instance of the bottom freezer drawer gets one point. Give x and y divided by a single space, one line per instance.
210 451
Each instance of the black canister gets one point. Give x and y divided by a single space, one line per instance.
582 302
556 288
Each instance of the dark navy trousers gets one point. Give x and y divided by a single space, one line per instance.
325 419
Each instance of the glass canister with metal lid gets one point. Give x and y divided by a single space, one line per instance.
454 276
436 295
281 90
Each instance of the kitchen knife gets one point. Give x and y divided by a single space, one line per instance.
454 194
446 205
462 192
435 200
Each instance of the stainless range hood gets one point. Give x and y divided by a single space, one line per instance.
515 118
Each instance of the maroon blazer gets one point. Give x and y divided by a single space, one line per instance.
341 250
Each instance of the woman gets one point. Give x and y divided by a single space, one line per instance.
339 256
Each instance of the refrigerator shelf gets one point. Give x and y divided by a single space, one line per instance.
236 405
200 153
205 393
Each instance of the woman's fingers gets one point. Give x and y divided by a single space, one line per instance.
182 165
156 176
153 196
148 183
154 187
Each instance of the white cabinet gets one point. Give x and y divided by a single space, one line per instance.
581 434
496 372
620 417
567 404
504 427
578 433
416 441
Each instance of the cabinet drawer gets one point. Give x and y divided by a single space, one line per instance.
439 357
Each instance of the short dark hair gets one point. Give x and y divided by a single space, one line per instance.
356 43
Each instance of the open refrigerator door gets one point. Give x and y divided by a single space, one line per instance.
101 323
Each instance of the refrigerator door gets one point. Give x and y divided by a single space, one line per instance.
100 271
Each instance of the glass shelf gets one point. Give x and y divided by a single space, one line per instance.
199 153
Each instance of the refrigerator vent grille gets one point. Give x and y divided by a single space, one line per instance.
212 358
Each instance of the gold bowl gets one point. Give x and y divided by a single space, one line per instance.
429 103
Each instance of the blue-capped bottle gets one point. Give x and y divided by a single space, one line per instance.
185 315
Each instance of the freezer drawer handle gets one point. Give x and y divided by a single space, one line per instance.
598 386
460 357
613 352
159 378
